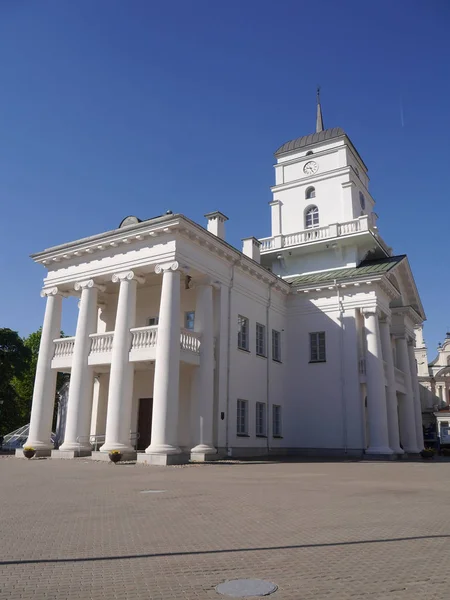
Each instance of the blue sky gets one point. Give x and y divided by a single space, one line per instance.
110 108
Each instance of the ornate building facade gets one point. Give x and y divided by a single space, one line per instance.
186 347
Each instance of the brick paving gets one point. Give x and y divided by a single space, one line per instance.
83 530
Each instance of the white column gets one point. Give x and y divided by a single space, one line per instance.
120 397
164 439
203 401
416 395
39 436
407 412
79 406
376 393
391 393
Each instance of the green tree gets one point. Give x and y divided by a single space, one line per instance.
23 385
15 359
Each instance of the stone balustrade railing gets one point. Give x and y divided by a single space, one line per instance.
64 347
102 342
144 337
190 340
315 234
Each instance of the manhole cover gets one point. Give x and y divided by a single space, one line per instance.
152 491
243 588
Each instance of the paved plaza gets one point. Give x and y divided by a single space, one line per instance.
86 530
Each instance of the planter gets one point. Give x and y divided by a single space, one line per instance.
427 454
29 452
115 457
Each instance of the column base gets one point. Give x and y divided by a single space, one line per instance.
39 452
104 456
124 448
75 448
162 449
412 450
379 450
70 453
161 460
204 456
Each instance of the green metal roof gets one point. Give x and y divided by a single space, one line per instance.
368 268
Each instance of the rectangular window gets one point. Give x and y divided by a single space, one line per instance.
152 321
189 320
260 339
276 345
242 417
242 332
260 419
317 346
276 421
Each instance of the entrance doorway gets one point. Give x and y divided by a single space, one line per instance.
144 422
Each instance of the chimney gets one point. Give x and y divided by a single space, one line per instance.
251 247
216 223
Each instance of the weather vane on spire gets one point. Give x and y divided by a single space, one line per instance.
319 119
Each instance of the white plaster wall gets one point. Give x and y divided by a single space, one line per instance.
248 372
324 399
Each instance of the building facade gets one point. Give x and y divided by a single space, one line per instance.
434 379
187 347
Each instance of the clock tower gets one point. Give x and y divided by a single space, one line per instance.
320 193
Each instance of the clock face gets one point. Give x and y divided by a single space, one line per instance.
311 167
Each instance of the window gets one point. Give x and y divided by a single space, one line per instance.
260 419
309 152
276 421
242 417
362 200
152 321
242 332
312 217
310 193
189 319
276 345
260 339
317 346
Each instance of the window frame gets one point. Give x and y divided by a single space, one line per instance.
242 417
310 192
277 421
276 356
243 335
261 337
261 419
186 321
313 212
319 345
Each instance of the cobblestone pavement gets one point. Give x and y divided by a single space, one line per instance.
84 530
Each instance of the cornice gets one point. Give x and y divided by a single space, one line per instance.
347 170
101 242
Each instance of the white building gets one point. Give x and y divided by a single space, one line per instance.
302 342
434 379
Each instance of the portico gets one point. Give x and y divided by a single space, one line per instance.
158 350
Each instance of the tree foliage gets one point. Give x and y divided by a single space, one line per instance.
18 360
15 358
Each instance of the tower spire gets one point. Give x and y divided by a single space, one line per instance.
319 119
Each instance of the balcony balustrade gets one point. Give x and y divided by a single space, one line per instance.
143 347
315 234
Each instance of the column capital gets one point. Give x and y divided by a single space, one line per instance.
168 266
127 276
370 311
87 284
53 291
386 320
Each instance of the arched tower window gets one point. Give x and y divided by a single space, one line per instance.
310 193
309 152
312 217
362 200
